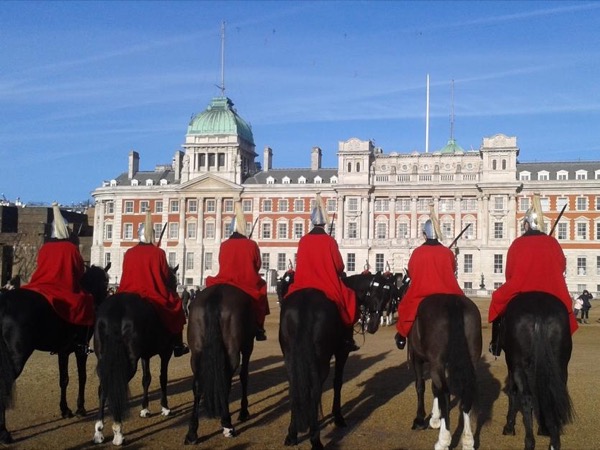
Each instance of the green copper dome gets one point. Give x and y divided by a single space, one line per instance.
452 147
220 118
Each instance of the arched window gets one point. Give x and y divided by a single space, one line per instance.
358 167
493 164
503 164
349 167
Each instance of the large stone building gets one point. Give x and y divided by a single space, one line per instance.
377 201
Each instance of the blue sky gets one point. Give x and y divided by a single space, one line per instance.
83 83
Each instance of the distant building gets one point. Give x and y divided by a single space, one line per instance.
377 203
23 230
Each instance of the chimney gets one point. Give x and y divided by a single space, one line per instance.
267 159
134 164
315 159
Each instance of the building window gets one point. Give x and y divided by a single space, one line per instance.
597 203
226 232
172 259
352 230
209 230
423 204
498 263
379 262
581 175
174 206
353 204
144 206
561 202
106 259
208 261
247 206
128 231
382 205
299 205
468 204
108 231
351 262
332 229
266 261
581 265
280 261
447 230
403 204
561 231
157 230
562 175
468 286
381 230
403 228
298 230
470 233
598 266
581 203
498 203
267 205
597 230
189 261
524 203
191 230
173 230
285 180
498 230
524 176
582 231
283 205
468 263
266 231
109 207
282 230
446 204
210 206
158 206
331 205
128 207
543 176
228 205
192 206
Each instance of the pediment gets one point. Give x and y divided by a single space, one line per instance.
210 183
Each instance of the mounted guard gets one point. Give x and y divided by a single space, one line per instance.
239 266
535 262
146 272
432 268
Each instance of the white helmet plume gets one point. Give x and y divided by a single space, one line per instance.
59 225
146 230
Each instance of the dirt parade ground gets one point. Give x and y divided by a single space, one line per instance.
378 401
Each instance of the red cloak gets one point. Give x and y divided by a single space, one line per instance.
57 277
431 268
319 265
146 273
239 266
534 262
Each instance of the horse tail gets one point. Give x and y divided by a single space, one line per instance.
554 404
7 368
304 381
215 368
461 372
113 365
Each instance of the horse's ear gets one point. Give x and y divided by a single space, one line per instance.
176 268
107 267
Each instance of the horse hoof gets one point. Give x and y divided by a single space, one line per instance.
508 431
145 412
543 432
81 412
67 414
165 411
190 440
289 441
317 446
6 438
98 438
244 415
228 432
340 422
419 424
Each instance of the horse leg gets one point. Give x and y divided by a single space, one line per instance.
63 371
146 379
338 380
164 373
191 438
526 407
419 422
511 415
468 440
440 391
436 414
244 414
99 425
81 359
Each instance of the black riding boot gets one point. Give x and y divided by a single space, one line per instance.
260 333
179 348
349 343
400 341
495 348
81 342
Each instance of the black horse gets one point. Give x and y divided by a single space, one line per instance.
27 323
128 328
311 332
221 330
536 339
446 334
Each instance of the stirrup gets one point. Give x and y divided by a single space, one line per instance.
260 334
180 350
400 341
495 349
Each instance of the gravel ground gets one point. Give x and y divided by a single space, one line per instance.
378 397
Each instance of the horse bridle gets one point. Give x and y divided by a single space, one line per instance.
365 313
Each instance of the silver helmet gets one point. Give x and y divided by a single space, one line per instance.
319 213
429 230
534 216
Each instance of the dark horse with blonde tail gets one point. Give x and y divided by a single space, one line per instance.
447 335
27 323
128 328
311 332
536 339
221 332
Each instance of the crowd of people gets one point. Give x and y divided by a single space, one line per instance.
535 262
